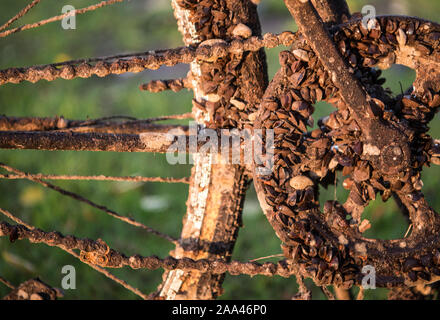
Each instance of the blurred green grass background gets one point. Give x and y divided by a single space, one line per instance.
139 25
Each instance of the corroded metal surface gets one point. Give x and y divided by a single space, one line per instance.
328 247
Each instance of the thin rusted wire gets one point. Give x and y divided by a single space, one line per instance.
99 253
182 116
70 251
7 283
98 120
20 14
268 257
58 18
115 259
93 178
15 219
133 120
108 125
110 276
80 198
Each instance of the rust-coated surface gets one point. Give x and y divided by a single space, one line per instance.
328 247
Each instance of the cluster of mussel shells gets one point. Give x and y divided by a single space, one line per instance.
224 80
377 44
303 159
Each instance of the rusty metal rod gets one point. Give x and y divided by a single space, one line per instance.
78 141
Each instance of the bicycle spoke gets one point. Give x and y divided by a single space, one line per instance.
102 125
50 241
80 198
103 67
78 141
20 14
7 283
99 254
94 178
110 276
58 18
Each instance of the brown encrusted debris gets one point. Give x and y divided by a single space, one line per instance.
34 289
161 85
138 62
229 83
329 245
98 253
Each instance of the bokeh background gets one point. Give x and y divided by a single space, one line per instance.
140 25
